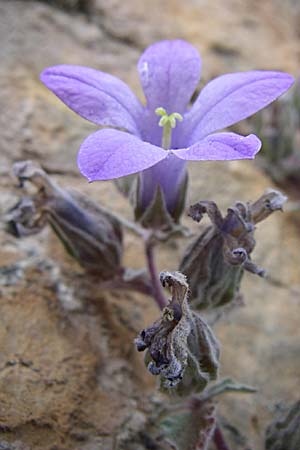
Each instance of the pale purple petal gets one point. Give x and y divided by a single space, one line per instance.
169 175
221 146
231 98
109 154
169 73
94 95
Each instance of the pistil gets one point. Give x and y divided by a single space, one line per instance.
168 122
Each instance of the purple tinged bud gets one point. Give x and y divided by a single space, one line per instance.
89 234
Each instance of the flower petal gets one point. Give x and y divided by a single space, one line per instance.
94 95
231 98
109 154
221 146
169 73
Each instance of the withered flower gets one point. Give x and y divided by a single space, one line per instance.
90 234
182 349
214 263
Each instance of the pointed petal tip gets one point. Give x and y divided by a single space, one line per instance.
287 79
48 71
288 76
43 75
258 143
48 77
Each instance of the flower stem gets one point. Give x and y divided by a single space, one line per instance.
219 439
158 294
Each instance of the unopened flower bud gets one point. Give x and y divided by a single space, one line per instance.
181 348
214 263
90 234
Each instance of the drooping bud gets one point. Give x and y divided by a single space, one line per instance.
181 348
89 233
214 263
284 431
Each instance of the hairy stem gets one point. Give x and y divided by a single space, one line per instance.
158 294
219 439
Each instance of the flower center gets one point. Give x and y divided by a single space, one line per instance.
168 122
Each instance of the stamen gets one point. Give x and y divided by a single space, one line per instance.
167 122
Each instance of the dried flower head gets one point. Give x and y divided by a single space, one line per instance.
181 347
90 234
214 263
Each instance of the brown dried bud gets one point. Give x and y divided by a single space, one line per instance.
284 432
215 261
90 234
182 349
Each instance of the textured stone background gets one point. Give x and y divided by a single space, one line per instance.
69 375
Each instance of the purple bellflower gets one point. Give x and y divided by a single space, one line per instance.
162 135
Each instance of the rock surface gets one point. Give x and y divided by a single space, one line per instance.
69 374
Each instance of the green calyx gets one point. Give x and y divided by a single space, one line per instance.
168 122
